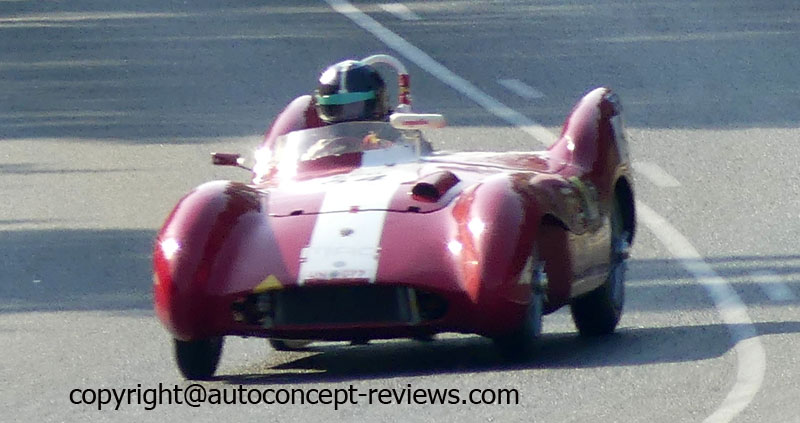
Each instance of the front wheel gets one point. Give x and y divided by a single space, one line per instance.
599 311
198 359
523 340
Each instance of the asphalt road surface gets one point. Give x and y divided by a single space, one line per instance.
108 111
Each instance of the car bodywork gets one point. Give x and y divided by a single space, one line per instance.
397 241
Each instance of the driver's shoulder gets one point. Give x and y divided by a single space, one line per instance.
305 106
299 114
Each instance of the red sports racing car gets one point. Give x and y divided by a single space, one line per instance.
360 230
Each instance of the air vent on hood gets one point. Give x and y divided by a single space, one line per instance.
432 187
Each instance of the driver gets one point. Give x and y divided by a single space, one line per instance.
351 91
348 91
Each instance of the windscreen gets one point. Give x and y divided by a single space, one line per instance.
341 138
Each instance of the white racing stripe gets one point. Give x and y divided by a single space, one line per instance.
345 244
749 351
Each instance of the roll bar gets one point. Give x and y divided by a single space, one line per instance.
403 80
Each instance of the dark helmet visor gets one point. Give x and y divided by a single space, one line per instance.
340 107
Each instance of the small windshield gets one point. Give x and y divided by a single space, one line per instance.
342 138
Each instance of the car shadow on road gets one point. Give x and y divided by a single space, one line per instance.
626 347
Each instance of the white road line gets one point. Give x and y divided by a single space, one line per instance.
773 285
424 61
749 351
401 11
748 348
521 89
656 174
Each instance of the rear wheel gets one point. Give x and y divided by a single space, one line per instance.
599 311
523 340
198 359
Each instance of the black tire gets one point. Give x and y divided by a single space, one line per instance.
198 359
523 341
599 311
288 344
426 338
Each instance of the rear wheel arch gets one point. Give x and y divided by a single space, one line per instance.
623 194
599 311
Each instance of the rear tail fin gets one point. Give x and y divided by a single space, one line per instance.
592 130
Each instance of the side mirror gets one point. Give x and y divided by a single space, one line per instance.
417 121
228 159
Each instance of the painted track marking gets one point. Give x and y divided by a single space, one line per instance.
401 11
426 62
773 285
749 350
521 89
658 176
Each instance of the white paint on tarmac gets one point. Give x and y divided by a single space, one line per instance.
401 11
424 61
773 285
749 350
655 174
521 89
